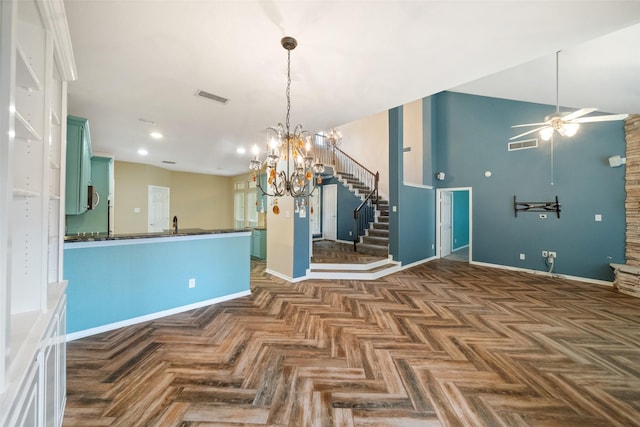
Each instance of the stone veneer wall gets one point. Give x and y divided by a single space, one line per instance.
632 187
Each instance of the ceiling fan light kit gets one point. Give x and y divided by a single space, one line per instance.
567 123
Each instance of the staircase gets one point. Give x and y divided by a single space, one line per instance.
375 237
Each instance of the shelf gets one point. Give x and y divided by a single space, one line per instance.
24 130
54 197
25 75
19 192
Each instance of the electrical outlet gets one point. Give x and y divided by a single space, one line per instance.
521 256
552 254
192 283
545 254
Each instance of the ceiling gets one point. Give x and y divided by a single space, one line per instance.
146 59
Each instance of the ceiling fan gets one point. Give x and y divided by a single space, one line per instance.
565 123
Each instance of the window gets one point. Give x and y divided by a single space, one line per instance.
245 212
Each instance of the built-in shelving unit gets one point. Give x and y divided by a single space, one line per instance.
37 63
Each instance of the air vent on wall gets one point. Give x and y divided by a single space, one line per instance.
523 145
211 97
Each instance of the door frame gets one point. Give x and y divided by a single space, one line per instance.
166 209
439 222
323 200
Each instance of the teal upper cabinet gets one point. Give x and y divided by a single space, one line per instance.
78 165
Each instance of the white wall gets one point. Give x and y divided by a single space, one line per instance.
412 141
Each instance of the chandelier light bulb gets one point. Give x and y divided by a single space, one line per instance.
570 129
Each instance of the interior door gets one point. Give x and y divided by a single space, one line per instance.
314 213
158 208
446 234
329 211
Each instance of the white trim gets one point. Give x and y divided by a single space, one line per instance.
438 220
351 274
153 316
417 263
350 267
423 186
146 240
346 242
285 277
544 273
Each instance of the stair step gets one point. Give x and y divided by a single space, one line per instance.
383 219
347 272
365 248
376 240
381 226
379 232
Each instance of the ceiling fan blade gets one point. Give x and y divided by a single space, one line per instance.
607 118
530 124
578 113
527 132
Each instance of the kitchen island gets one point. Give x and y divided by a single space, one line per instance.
119 280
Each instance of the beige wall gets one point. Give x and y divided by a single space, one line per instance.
198 200
367 141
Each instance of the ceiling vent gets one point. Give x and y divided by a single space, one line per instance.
211 97
523 145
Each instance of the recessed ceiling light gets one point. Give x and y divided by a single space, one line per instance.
241 150
143 152
155 135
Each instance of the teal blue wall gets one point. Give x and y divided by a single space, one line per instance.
412 226
109 284
301 243
472 134
346 202
460 219
94 220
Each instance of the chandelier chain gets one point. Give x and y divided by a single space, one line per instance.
288 91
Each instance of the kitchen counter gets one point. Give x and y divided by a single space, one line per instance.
120 280
92 237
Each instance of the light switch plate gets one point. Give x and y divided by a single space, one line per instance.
598 217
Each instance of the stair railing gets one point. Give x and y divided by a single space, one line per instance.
364 214
349 167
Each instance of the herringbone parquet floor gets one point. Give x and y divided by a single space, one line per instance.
444 343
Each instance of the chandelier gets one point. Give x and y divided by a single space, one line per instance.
290 165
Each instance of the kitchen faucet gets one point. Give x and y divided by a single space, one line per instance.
175 225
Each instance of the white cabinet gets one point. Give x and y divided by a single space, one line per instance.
36 61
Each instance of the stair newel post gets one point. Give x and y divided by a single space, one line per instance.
355 230
376 187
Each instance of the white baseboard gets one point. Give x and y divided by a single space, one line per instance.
416 263
544 273
153 316
285 277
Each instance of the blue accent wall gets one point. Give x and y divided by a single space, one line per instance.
108 284
301 243
412 226
460 219
346 203
472 135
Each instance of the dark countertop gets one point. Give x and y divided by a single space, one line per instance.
96 237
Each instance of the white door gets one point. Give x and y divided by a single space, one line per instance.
446 236
314 212
329 211
158 209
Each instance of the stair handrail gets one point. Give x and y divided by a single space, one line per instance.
356 212
345 164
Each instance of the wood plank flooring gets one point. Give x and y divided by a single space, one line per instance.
444 343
